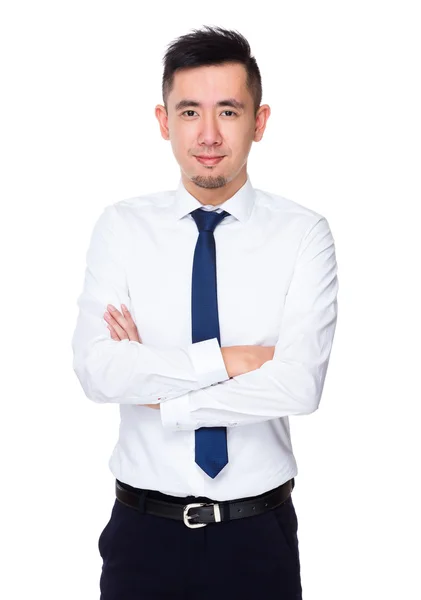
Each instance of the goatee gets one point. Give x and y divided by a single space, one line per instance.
209 182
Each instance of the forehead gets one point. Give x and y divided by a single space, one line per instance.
207 84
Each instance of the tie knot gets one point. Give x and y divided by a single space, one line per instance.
207 220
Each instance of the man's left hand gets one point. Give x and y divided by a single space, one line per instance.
122 327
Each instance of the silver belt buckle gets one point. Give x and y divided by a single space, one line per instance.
186 515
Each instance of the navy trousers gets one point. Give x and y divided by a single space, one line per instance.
155 558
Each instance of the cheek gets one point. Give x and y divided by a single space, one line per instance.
179 146
239 149
247 140
239 139
183 140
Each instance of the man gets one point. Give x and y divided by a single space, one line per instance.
221 305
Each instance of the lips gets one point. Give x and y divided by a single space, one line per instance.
209 161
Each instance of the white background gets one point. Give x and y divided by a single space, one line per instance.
80 82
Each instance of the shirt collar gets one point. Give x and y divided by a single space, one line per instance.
240 205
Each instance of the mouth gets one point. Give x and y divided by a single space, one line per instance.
209 161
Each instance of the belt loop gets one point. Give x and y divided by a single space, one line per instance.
142 499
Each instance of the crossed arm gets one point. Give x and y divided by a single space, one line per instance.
130 372
237 359
202 384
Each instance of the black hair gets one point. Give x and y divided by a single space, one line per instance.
211 46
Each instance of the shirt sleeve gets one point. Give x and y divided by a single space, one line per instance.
125 371
292 382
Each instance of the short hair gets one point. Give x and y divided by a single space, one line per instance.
211 46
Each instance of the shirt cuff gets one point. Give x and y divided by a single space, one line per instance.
208 362
175 414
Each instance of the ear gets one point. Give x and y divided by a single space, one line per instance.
162 116
262 116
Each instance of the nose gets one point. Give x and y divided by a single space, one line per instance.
209 131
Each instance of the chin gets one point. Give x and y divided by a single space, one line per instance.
209 181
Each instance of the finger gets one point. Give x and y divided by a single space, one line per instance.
130 329
119 329
131 323
113 334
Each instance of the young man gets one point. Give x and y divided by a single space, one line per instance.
221 305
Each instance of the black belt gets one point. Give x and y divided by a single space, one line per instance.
204 512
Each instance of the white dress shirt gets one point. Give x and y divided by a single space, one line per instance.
277 286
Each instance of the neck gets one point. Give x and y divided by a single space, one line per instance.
215 196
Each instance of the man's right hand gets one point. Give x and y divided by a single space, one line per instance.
242 359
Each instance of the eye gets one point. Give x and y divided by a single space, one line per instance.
226 111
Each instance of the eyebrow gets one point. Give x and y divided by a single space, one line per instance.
228 102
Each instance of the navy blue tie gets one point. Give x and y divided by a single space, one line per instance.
211 452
